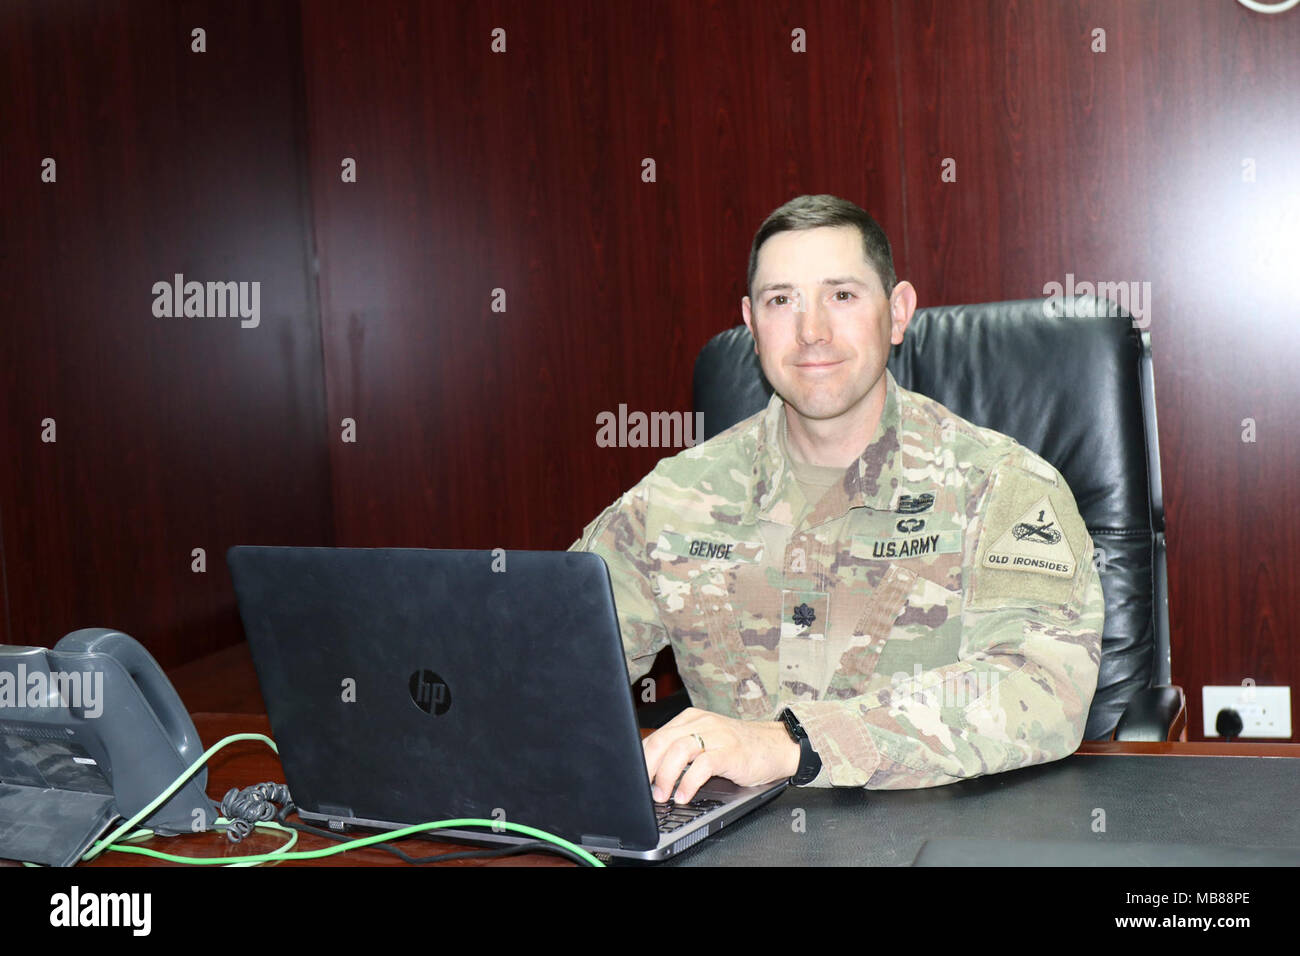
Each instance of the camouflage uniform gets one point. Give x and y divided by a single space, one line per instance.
933 617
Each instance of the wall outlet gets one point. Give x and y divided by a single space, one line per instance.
1264 711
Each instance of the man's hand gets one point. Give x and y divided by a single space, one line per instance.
747 752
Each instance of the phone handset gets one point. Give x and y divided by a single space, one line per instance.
154 686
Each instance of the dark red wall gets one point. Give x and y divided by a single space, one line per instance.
522 171
173 433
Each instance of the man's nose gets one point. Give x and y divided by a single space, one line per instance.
810 318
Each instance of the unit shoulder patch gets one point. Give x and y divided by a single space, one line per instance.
1034 542
1033 547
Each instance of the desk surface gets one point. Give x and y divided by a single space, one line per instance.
1246 799
1230 802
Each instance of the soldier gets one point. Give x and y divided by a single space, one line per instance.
860 588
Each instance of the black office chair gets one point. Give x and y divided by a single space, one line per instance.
1078 391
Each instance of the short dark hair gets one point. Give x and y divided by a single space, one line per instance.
810 212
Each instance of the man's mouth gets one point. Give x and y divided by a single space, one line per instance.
817 365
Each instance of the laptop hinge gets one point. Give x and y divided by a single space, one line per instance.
337 815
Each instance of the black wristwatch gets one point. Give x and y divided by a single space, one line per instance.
810 765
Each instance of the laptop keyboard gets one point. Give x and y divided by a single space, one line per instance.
672 816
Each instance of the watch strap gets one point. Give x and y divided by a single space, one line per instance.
810 764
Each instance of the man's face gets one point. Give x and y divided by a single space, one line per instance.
821 322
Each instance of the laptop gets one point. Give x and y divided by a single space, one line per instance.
408 685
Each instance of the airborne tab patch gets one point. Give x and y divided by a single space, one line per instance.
1033 543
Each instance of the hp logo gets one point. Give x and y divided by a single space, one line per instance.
430 692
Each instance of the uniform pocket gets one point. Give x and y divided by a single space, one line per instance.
857 663
713 660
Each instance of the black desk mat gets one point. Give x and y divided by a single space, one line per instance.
1218 801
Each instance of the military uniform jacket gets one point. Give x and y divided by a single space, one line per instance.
935 617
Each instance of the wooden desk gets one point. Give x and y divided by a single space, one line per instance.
222 694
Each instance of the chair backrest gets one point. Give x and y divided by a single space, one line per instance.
1068 379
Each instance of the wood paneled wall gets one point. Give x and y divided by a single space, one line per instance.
171 433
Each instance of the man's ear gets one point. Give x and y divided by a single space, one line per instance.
746 313
902 304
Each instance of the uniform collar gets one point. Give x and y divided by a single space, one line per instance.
868 482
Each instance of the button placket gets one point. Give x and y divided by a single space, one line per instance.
805 619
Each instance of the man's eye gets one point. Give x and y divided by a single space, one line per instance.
772 301
846 292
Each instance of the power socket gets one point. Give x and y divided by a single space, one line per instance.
1264 711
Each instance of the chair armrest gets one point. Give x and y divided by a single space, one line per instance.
1156 713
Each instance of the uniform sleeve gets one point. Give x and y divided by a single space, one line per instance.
1030 650
618 534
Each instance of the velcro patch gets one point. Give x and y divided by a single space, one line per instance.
907 545
702 548
1038 468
